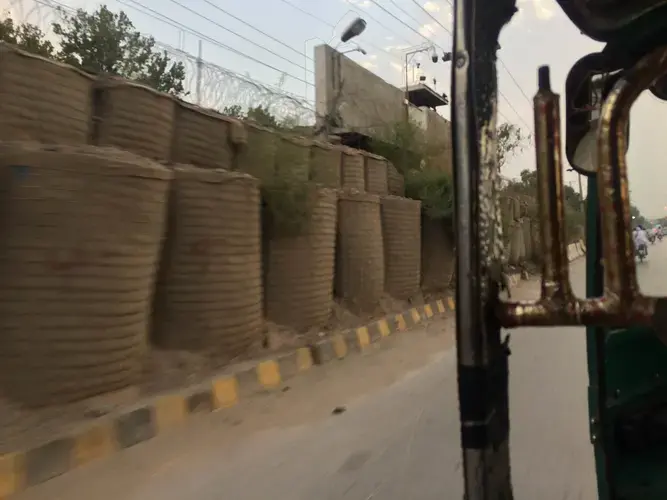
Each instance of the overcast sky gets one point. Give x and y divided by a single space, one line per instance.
272 40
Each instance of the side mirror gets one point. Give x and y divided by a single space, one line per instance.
587 85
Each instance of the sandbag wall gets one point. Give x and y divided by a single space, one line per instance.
97 235
80 238
209 291
131 218
300 267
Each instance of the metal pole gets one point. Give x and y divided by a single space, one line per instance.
200 65
407 94
305 64
481 353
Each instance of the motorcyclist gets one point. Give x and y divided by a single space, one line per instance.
640 238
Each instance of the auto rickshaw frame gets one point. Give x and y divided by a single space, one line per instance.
626 331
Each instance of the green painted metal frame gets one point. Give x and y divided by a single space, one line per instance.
627 371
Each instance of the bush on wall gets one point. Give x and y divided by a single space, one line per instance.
405 146
287 206
434 189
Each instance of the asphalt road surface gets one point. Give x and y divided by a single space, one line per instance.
397 440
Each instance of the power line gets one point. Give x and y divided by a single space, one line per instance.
168 20
333 26
404 11
514 80
431 16
218 8
374 2
509 103
192 11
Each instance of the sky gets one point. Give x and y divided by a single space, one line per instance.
271 42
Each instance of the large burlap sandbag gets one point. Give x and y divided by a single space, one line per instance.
352 170
258 156
209 293
300 268
395 181
80 240
401 233
360 252
133 117
325 164
375 174
42 100
204 138
293 158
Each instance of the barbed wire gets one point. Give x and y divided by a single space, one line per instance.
218 87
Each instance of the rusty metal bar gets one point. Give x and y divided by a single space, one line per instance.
557 303
555 278
622 304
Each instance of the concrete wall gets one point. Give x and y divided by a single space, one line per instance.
368 104
439 137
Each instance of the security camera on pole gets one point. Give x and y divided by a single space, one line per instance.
409 55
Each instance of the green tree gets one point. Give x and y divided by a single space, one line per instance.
262 116
511 141
527 184
637 217
105 42
26 36
235 111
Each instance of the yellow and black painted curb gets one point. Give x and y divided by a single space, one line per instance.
339 345
142 422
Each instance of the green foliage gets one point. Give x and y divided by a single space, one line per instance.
511 141
526 186
105 42
403 144
27 37
434 189
637 217
235 111
262 116
288 204
101 42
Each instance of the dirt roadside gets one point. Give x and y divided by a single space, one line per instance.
333 386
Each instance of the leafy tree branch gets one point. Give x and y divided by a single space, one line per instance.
101 42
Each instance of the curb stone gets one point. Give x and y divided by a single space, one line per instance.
160 414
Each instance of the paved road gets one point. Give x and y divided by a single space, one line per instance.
398 439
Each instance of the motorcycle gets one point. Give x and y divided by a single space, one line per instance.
642 252
651 238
